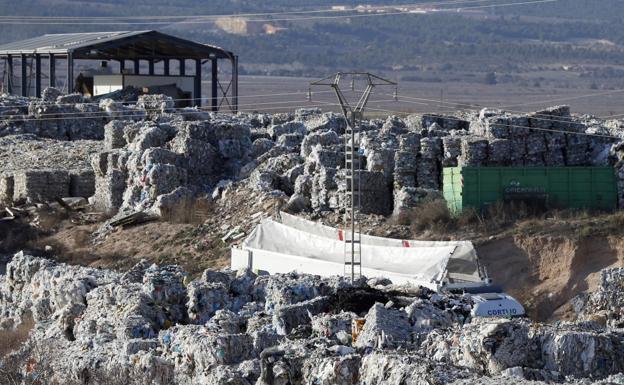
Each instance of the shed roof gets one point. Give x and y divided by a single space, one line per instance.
115 45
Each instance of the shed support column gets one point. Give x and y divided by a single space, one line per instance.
235 84
10 74
151 66
137 66
166 64
38 76
24 76
122 66
198 80
215 84
182 67
52 71
70 73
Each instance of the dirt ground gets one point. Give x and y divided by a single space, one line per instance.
543 262
195 243
544 272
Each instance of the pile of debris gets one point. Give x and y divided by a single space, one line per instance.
617 157
606 305
56 116
156 165
154 325
157 157
35 169
300 157
74 117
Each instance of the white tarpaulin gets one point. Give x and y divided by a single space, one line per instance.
462 266
304 246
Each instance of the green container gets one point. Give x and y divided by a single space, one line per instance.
561 187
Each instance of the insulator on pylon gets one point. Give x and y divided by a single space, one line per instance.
309 94
352 84
396 95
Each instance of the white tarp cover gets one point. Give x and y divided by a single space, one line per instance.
298 244
462 266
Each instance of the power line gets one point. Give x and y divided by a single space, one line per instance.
457 9
175 100
567 98
412 100
274 106
455 105
133 113
104 114
209 17
516 126
475 108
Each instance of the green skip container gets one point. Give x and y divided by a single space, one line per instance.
560 187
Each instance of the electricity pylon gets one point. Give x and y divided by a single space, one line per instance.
352 234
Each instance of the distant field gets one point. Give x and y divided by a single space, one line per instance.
265 93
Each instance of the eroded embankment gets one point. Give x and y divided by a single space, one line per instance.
545 272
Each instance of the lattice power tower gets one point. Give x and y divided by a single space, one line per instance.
352 234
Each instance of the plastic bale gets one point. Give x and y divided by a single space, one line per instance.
81 183
165 286
6 188
288 317
329 325
341 370
384 328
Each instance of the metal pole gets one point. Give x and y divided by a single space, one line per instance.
235 84
10 74
166 64
215 84
198 79
70 73
182 67
122 66
52 65
24 78
38 75
353 194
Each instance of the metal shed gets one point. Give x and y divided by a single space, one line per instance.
122 46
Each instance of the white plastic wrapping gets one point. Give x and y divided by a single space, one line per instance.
307 247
